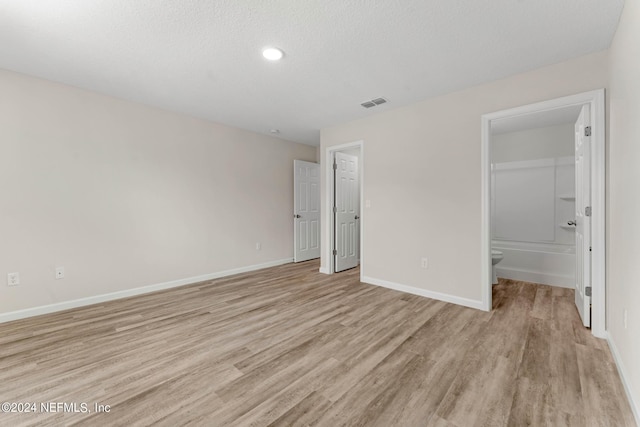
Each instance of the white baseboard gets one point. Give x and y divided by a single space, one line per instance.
423 292
52 308
324 270
635 406
536 277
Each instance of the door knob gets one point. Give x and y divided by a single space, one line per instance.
357 217
297 216
571 223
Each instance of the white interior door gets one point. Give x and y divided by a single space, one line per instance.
306 216
583 215
347 211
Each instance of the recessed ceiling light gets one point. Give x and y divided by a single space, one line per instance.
275 131
272 53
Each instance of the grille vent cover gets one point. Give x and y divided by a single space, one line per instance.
374 102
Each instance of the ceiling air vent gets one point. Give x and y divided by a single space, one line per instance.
374 102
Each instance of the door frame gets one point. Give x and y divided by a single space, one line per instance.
328 223
295 210
596 99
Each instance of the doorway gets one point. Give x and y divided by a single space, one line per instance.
591 105
306 215
344 184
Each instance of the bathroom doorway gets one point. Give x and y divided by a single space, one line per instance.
543 217
533 232
344 182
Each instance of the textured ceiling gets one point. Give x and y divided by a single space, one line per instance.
203 57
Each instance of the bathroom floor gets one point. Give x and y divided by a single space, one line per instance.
290 346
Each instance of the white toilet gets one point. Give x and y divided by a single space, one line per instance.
496 257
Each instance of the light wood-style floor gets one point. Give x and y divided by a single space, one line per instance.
289 346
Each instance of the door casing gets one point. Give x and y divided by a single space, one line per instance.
315 215
328 224
346 213
596 100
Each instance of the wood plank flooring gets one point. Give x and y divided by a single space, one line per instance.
287 346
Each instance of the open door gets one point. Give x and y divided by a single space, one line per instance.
347 211
306 216
583 215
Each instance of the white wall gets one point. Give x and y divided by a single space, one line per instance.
422 176
623 281
124 195
533 144
536 156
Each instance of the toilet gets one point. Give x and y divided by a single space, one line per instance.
496 257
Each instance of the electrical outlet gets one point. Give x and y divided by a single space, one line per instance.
367 203
625 318
59 273
13 279
424 263
258 246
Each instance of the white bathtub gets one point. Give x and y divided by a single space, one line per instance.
549 264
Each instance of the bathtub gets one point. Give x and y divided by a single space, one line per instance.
549 264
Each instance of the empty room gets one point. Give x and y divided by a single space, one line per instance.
337 213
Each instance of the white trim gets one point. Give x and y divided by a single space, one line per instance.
486 273
423 292
328 223
598 218
597 101
52 308
622 371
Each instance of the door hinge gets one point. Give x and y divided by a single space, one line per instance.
587 211
335 166
335 252
335 209
587 131
587 291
